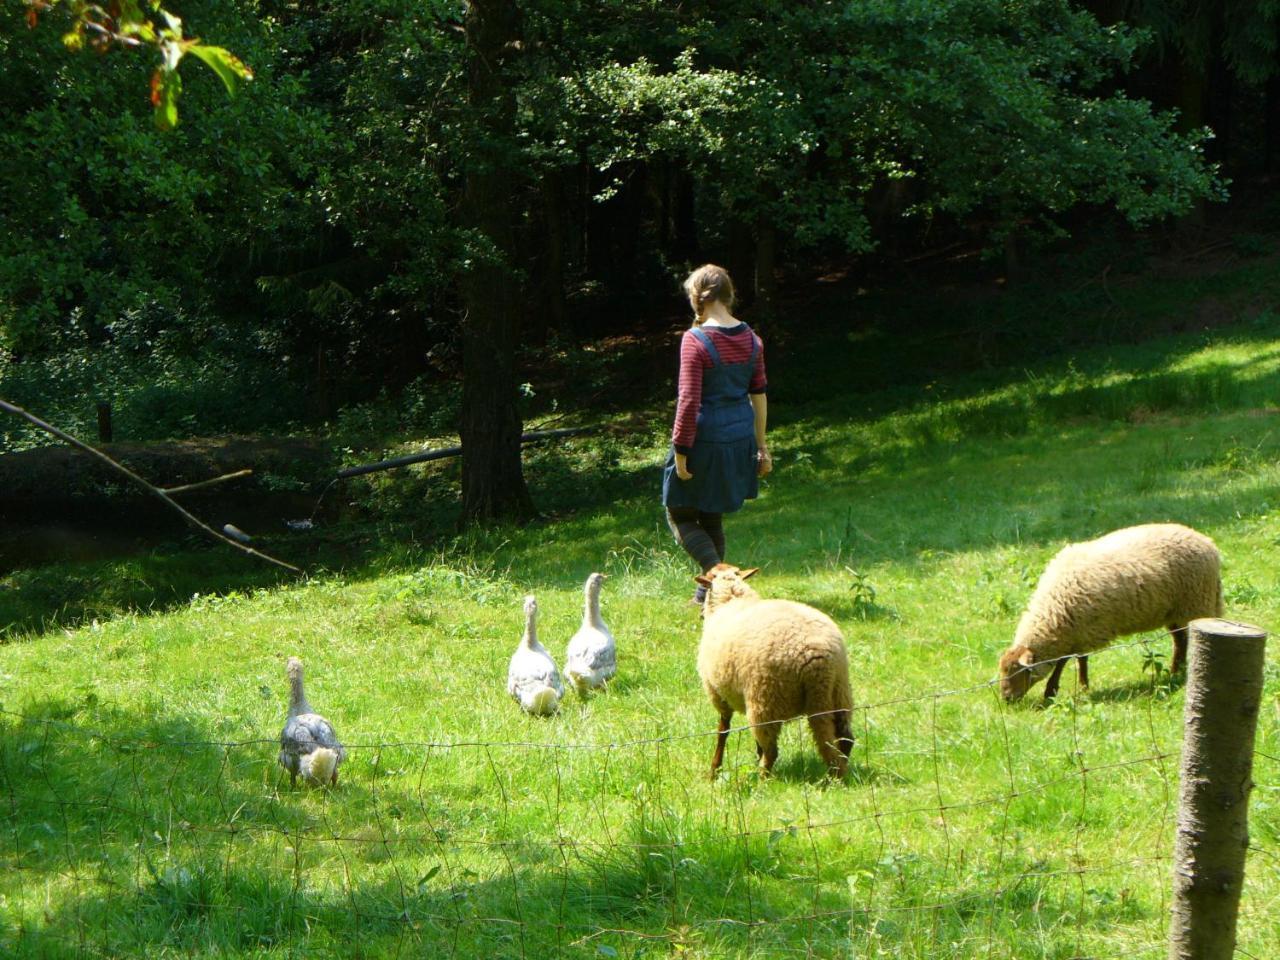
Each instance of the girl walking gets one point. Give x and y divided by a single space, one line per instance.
718 449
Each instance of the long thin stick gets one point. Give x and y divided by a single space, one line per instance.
444 452
153 490
187 488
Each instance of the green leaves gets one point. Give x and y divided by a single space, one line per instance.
231 70
166 84
126 25
165 87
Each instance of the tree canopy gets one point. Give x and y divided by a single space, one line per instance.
319 218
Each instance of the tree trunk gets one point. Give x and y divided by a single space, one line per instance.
684 221
661 184
1271 150
553 203
1220 718
626 234
766 272
492 476
1193 85
1012 256
741 256
1218 113
601 221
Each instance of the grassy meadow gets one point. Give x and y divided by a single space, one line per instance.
143 814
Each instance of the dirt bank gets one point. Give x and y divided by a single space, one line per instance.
37 481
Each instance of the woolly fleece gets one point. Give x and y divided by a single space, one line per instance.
774 660
1134 579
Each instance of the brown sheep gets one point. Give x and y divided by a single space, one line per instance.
1134 579
773 660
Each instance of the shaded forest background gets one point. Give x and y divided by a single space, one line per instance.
328 237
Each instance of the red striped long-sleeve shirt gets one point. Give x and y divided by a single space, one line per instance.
734 346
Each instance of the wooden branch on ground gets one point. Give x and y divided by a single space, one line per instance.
937 252
1216 245
155 491
443 453
187 488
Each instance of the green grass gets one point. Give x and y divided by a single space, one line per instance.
142 812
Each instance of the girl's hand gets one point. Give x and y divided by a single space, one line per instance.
764 462
682 467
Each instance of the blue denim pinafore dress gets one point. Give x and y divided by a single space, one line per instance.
723 459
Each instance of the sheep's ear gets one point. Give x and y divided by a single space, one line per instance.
1027 659
750 572
703 580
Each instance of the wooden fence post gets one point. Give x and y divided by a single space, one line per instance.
1220 717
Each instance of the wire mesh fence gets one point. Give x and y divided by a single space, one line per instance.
123 839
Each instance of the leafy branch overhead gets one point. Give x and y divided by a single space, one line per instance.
129 23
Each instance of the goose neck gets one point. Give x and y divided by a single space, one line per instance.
591 608
297 698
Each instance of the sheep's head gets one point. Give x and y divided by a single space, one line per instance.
1019 672
725 582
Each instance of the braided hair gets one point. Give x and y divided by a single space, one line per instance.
709 282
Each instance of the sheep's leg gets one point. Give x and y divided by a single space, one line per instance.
722 736
1082 672
844 732
766 735
824 735
770 757
1051 688
1179 648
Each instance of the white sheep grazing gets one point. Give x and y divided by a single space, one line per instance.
1134 579
773 660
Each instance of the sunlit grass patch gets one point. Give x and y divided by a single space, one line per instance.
142 809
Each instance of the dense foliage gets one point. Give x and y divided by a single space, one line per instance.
309 228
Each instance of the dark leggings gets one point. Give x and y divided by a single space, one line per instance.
701 534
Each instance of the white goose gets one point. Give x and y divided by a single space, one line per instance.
308 744
592 657
532 677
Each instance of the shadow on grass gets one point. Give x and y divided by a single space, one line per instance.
1145 688
85 783
806 767
987 467
905 496
127 835
1100 692
158 841
67 595
202 904
176 567
850 608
